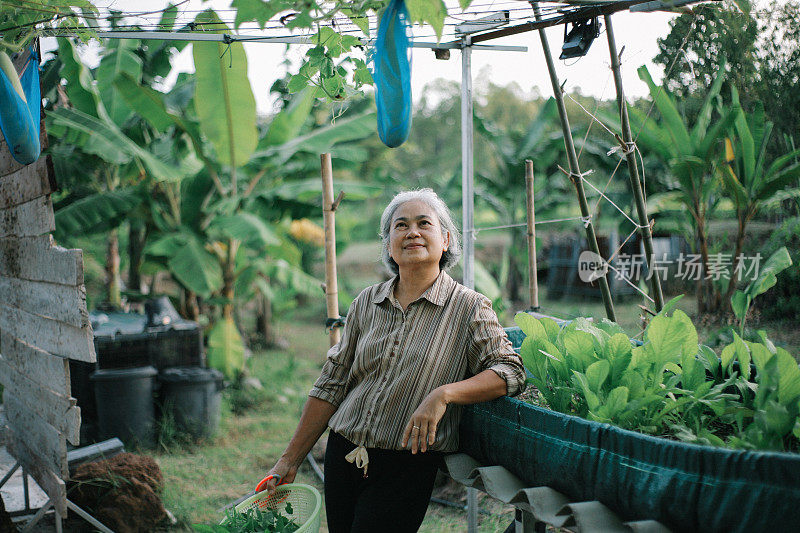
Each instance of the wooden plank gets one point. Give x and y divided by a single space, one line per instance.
59 411
42 368
8 164
49 300
27 183
52 484
40 437
39 259
29 219
49 335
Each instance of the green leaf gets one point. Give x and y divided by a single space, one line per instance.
297 83
777 262
359 20
789 380
430 12
533 358
579 347
245 227
617 401
80 88
551 327
287 124
740 304
672 336
97 212
119 58
322 140
710 360
225 348
108 142
223 98
742 354
596 375
530 326
669 112
760 354
197 269
618 351
592 400
775 418
145 101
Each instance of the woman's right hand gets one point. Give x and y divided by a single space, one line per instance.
282 472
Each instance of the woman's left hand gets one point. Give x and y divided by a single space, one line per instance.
420 431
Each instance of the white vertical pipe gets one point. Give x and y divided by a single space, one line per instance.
467 200
468 208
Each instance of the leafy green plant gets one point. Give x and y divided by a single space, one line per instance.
767 278
669 385
254 520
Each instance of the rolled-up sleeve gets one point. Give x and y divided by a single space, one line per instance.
492 350
332 384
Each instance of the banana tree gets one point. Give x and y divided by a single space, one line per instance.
750 179
692 155
95 120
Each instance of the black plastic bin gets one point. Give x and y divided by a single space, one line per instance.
125 408
191 395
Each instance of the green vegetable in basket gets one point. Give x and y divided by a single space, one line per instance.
253 520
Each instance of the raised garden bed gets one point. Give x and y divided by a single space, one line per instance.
687 487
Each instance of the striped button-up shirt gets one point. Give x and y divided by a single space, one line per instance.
388 360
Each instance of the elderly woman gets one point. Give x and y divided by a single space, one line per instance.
413 350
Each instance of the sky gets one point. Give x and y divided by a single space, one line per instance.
638 32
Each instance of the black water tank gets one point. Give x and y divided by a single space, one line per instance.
192 396
125 408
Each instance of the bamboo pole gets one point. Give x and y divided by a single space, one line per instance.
636 186
574 168
533 277
329 220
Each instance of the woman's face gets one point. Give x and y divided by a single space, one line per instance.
415 236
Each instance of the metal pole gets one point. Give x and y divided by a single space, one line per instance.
472 510
633 170
468 206
574 168
533 276
467 178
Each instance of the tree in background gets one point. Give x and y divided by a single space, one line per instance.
762 52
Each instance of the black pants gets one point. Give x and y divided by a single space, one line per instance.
393 498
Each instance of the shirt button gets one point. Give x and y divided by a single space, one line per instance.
384 380
396 342
369 412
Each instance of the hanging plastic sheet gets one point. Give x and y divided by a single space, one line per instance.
392 75
19 113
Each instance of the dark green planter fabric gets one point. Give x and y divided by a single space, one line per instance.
684 486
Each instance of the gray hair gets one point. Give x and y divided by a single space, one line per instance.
449 257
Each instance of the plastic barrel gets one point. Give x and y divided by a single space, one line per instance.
125 404
191 395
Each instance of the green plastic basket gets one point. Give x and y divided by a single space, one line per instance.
306 504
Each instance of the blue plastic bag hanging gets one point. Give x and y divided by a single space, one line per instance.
20 113
392 75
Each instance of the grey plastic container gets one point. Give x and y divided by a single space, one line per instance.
125 407
191 395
